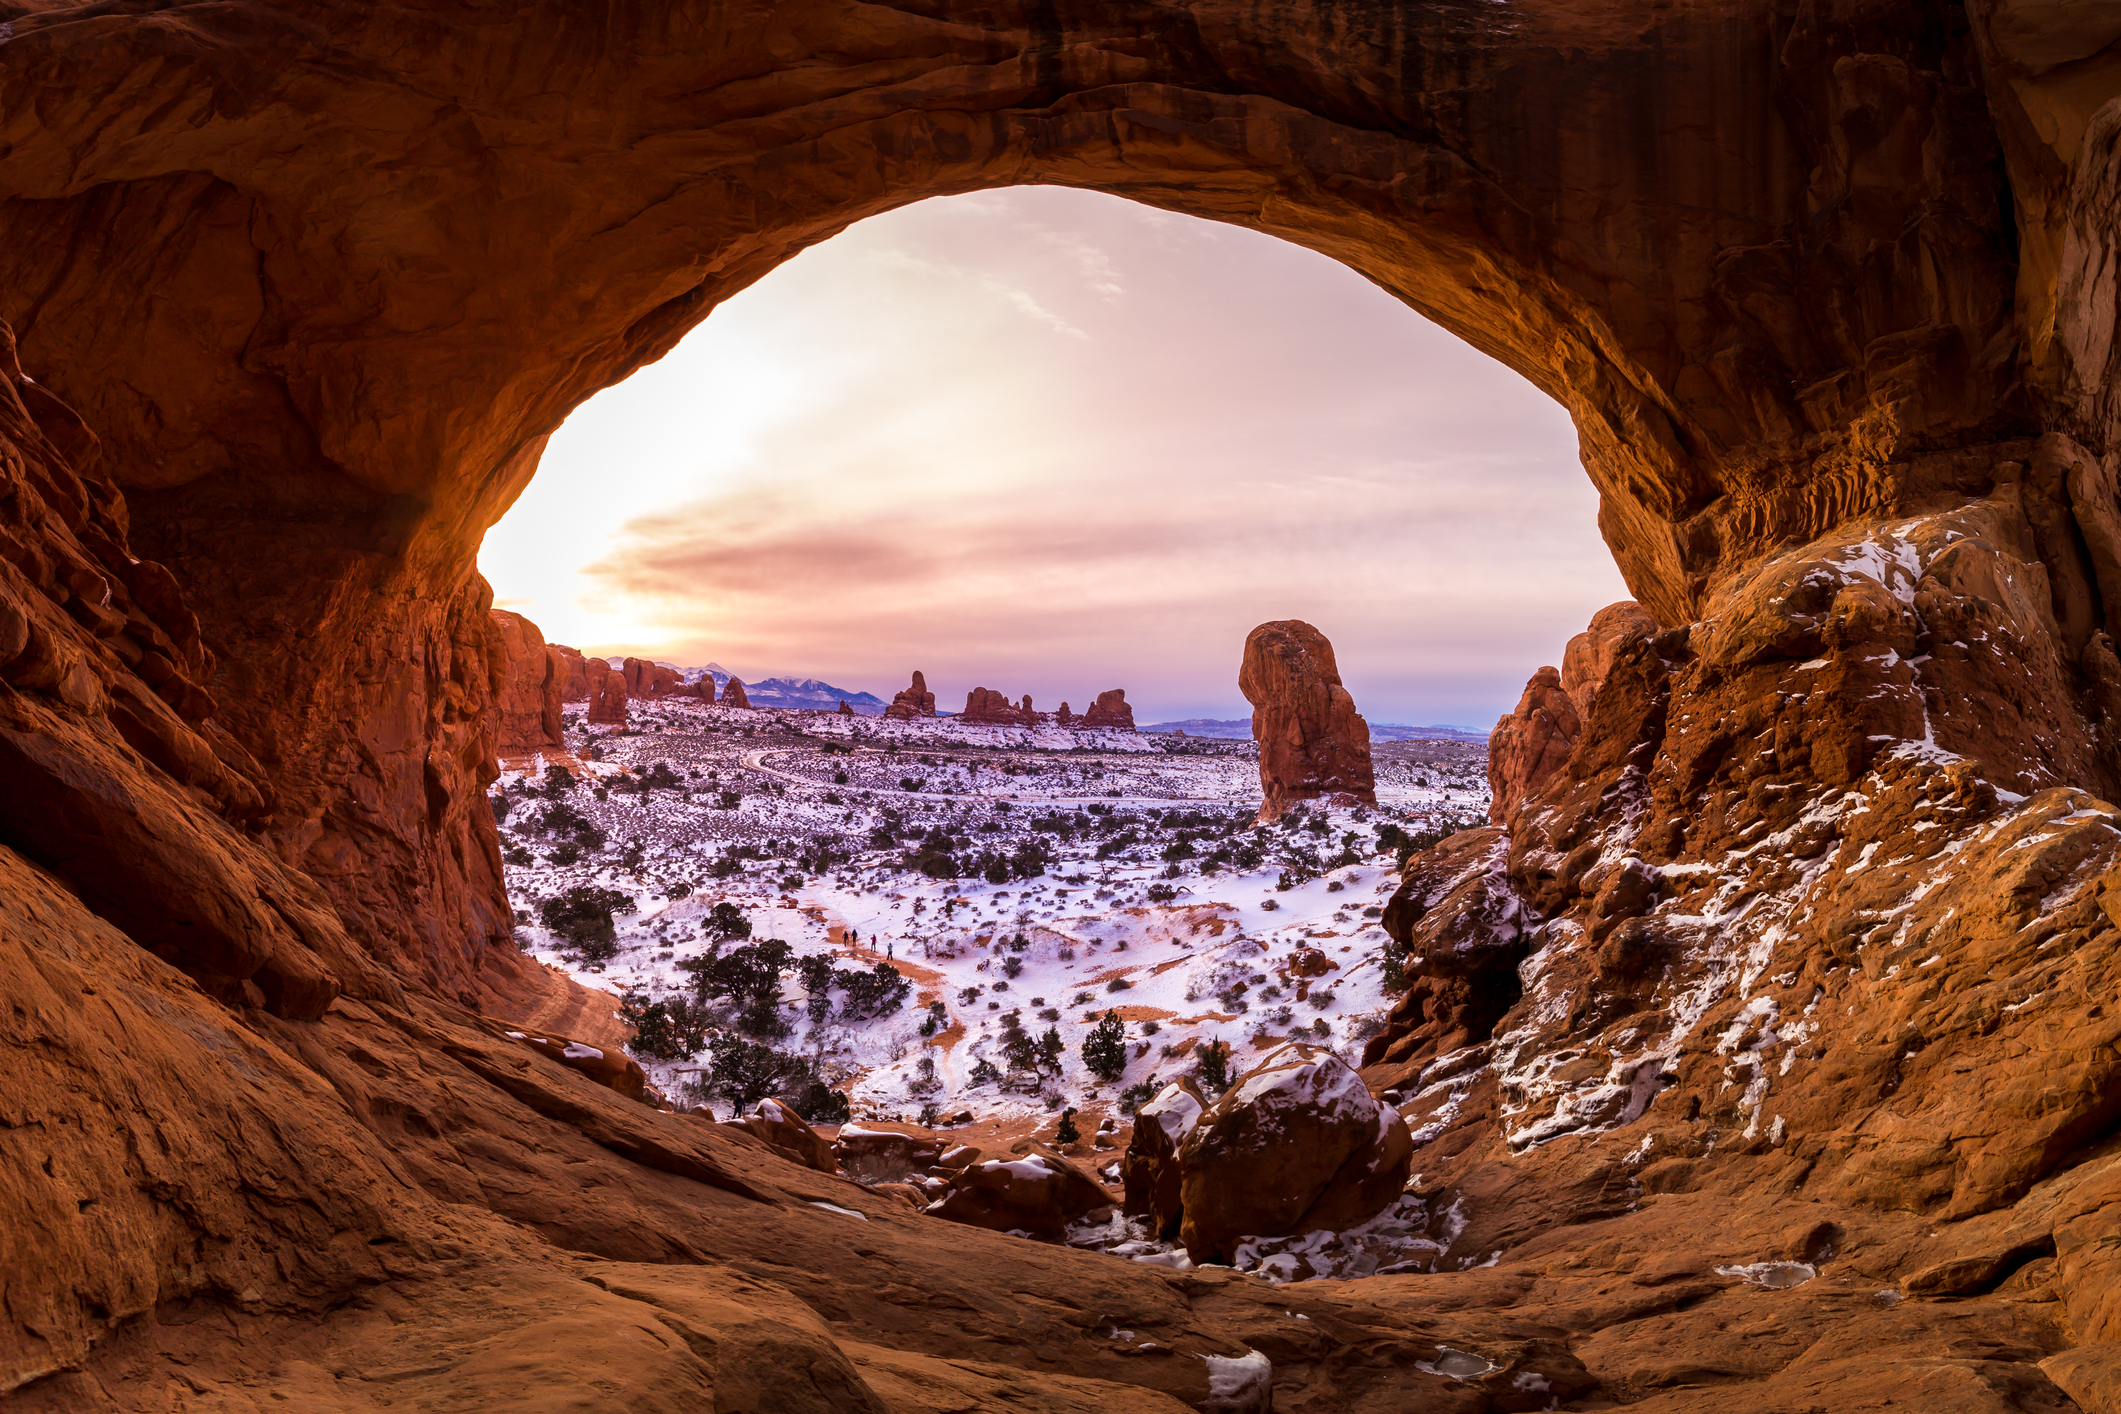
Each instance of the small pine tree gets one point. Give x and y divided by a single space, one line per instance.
1105 1048
1067 1133
1215 1066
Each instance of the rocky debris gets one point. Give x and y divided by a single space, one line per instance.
646 681
915 701
1110 710
607 1066
1590 654
1297 1145
1531 744
988 707
607 694
788 1133
1039 1193
1150 1169
733 694
528 686
1312 743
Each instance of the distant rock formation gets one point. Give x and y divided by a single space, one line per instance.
646 681
986 706
1110 710
915 701
527 686
1532 743
1312 743
574 684
704 688
733 694
607 693
1065 717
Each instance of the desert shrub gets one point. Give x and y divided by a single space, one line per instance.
725 920
1214 1068
1067 1133
581 917
742 1073
667 1030
821 1104
1135 1096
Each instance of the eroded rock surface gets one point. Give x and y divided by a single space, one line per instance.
1814 911
1109 710
1312 743
733 694
531 683
914 701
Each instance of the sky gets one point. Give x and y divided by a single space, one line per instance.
1052 442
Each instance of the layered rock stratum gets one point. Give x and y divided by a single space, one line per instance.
1760 1055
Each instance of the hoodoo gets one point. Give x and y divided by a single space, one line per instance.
1110 710
733 694
529 687
1760 1053
914 701
1312 745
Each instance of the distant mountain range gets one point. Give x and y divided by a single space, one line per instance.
784 692
1379 731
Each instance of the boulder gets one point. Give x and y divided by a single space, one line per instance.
1312 743
1532 743
915 701
733 694
1297 1145
528 685
883 1155
607 694
1110 710
606 1065
786 1131
1149 1169
1040 1193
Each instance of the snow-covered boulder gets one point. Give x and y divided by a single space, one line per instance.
1150 1168
606 1065
1040 1193
1297 1145
786 1131
883 1155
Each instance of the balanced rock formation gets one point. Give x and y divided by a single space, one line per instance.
607 694
988 707
528 686
1041 1192
1312 744
1110 710
1150 1168
1820 1001
914 701
733 693
1297 1145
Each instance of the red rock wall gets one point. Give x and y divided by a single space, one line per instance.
985 705
528 685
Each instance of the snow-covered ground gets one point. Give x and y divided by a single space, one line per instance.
1126 875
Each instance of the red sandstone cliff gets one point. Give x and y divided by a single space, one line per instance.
528 684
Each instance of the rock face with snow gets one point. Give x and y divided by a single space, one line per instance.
1590 654
1297 1144
1531 743
528 686
915 701
1312 743
733 694
1110 710
607 694
1041 1192
607 1066
1150 1169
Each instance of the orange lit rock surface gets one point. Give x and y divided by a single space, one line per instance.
1312 743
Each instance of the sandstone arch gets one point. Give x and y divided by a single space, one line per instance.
322 276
